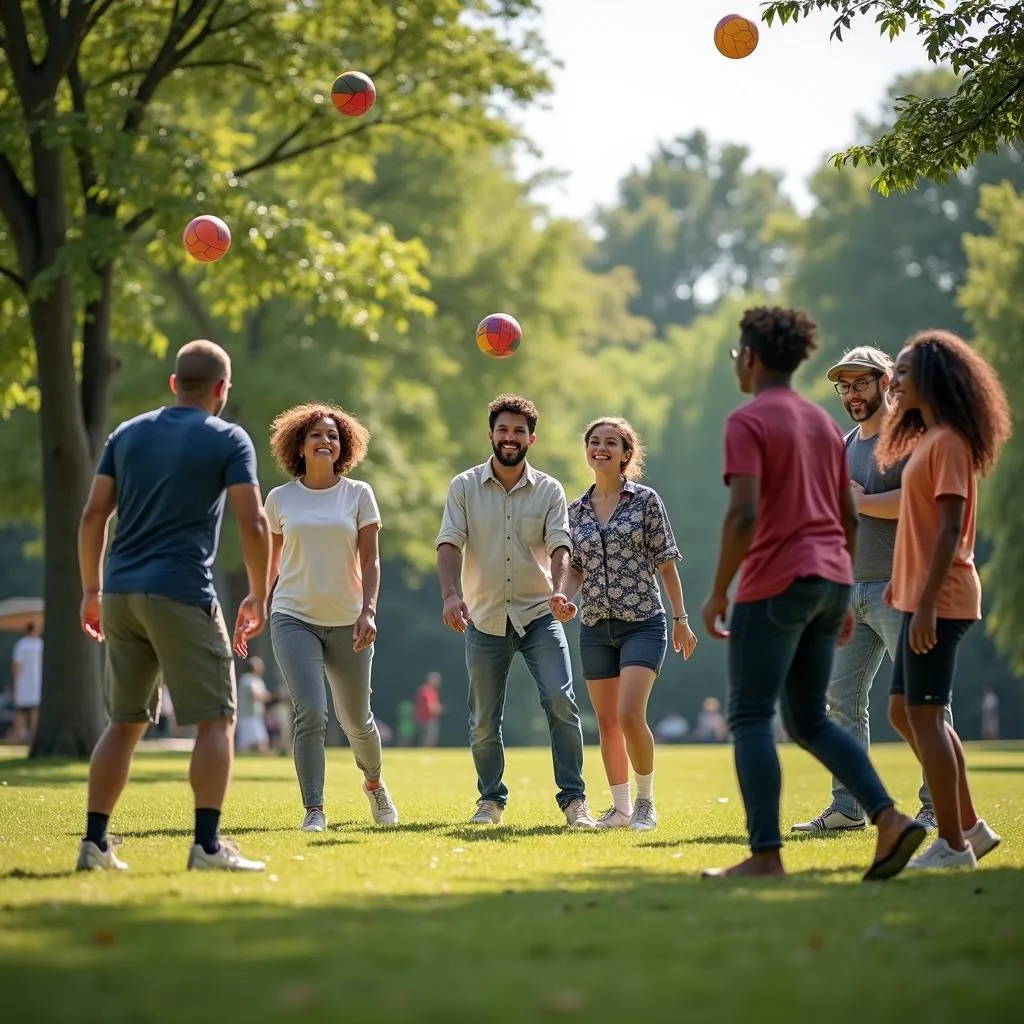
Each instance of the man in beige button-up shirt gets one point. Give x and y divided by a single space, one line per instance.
504 536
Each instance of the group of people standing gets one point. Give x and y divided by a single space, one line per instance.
513 557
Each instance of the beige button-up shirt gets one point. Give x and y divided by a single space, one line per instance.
506 539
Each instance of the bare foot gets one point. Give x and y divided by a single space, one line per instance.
760 865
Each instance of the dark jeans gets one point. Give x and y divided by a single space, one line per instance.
785 645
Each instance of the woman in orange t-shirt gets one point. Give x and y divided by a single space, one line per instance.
951 416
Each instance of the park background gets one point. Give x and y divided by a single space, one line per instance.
596 169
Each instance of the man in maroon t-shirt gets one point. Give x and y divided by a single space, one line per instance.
792 525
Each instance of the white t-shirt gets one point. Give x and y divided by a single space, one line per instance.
321 580
28 687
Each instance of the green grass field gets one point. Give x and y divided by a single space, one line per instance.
438 921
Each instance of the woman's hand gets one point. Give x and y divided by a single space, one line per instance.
683 640
364 632
561 607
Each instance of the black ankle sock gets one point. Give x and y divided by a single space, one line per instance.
207 826
96 829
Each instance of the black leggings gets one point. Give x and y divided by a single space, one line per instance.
927 679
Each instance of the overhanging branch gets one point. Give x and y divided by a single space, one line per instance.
16 205
16 278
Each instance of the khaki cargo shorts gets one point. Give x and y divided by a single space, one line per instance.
149 638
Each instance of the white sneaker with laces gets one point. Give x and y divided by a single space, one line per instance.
381 806
314 821
577 814
941 855
982 839
613 818
645 817
92 858
227 858
830 820
488 812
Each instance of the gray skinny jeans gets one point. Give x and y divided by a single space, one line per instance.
305 654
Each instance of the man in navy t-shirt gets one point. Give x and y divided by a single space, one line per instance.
168 474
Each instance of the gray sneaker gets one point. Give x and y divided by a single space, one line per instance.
488 812
227 858
927 818
381 805
92 858
645 817
314 821
830 820
577 814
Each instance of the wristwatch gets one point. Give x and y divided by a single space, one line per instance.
680 618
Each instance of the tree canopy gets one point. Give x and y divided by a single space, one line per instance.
935 137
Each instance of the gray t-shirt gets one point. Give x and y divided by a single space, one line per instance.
876 537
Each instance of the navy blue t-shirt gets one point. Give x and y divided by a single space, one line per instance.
171 467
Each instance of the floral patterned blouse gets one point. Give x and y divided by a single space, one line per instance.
620 560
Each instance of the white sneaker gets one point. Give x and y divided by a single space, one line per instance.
381 807
645 817
941 855
982 839
488 812
830 820
314 821
227 858
613 818
577 814
92 858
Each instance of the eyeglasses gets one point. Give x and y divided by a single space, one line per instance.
860 384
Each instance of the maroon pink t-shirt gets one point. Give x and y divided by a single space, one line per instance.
795 449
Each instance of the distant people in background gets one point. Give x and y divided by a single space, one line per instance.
27 672
405 723
253 695
325 558
429 709
711 724
672 728
989 715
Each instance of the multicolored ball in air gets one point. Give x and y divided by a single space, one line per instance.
353 93
206 238
499 335
735 36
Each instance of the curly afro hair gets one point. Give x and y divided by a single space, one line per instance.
631 443
781 338
289 430
962 390
516 404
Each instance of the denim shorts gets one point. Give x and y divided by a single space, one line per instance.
611 645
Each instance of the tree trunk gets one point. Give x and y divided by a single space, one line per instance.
71 716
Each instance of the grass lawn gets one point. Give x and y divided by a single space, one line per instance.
440 922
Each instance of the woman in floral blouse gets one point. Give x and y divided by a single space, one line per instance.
622 542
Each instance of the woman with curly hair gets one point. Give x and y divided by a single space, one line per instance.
622 542
951 416
325 559
791 524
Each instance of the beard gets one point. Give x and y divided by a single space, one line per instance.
867 410
509 458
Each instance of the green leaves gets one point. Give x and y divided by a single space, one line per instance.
936 138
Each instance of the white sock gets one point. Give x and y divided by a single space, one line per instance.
620 798
645 786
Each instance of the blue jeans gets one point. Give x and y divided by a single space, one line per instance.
786 644
854 670
488 661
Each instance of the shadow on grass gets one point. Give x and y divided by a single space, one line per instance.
996 768
734 950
